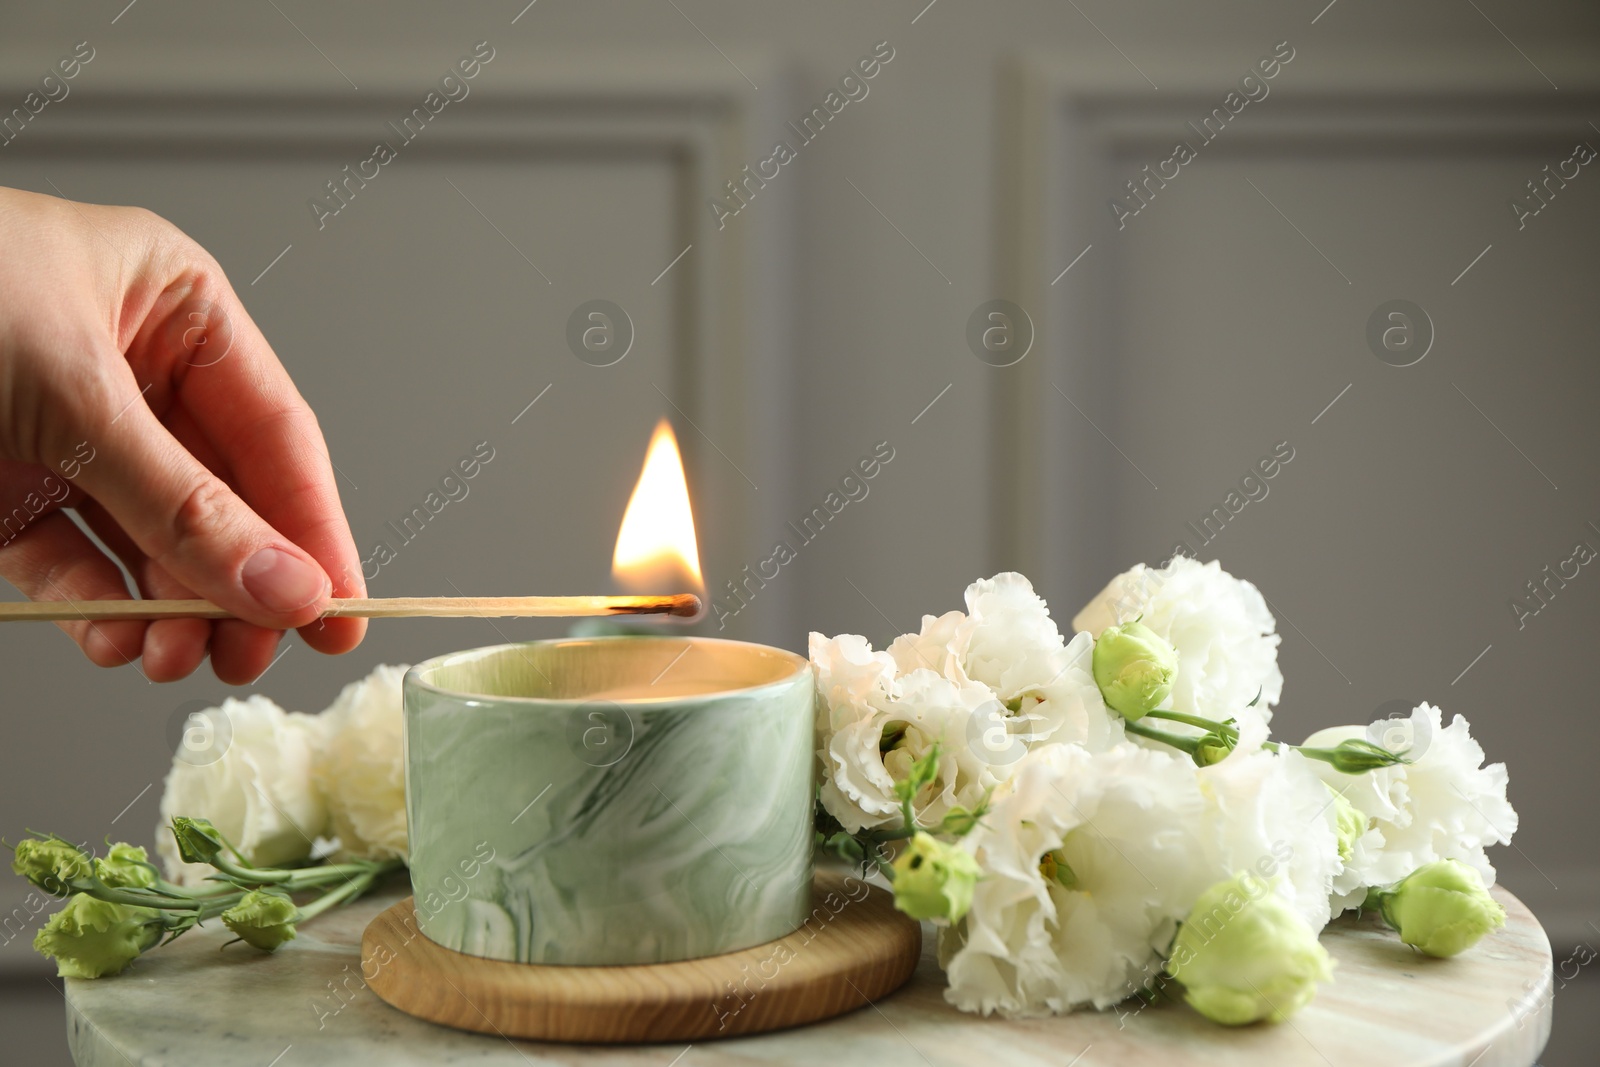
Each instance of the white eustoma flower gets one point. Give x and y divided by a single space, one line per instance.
855 686
940 646
361 767
984 685
1269 814
852 680
248 767
867 749
931 709
1090 861
1012 642
1006 639
1220 625
1446 805
1069 708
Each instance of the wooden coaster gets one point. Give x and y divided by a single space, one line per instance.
854 949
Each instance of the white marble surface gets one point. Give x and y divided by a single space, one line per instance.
189 1006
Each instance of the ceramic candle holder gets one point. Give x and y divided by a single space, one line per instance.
612 800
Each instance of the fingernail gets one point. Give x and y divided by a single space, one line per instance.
282 582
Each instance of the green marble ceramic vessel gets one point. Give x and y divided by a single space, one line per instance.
610 800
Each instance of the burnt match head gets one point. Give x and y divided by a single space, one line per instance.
681 605
687 606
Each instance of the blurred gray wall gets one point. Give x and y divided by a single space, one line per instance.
832 313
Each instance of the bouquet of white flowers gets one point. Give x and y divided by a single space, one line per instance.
1091 820
261 805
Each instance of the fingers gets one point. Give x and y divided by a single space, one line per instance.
241 653
52 560
189 521
231 384
173 648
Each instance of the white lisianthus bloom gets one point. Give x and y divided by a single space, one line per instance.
874 726
1069 708
1012 641
1006 639
1269 814
931 709
940 646
985 685
855 687
1446 805
1090 862
1220 625
247 766
362 767
852 680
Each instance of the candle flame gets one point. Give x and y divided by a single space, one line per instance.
656 546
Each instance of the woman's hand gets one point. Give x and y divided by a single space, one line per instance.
135 389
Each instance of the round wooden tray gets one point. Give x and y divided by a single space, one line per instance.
854 949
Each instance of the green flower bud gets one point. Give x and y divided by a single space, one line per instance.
1349 824
49 863
1134 669
125 866
198 840
933 880
1244 955
1355 756
1213 748
92 938
263 918
1442 908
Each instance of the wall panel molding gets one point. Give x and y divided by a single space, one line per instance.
1063 123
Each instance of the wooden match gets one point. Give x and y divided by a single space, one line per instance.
685 605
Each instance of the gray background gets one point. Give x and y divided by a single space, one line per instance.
833 310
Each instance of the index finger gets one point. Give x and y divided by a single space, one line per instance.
237 393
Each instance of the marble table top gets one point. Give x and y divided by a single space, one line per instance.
188 1005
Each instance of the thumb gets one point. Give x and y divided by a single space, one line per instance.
189 521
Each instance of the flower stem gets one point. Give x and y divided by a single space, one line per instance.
349 891
213 908
249 875
1203 723
1182 744
205 891
291 879
312 877
141 898
1351 757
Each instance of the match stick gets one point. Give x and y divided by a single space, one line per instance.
686 605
